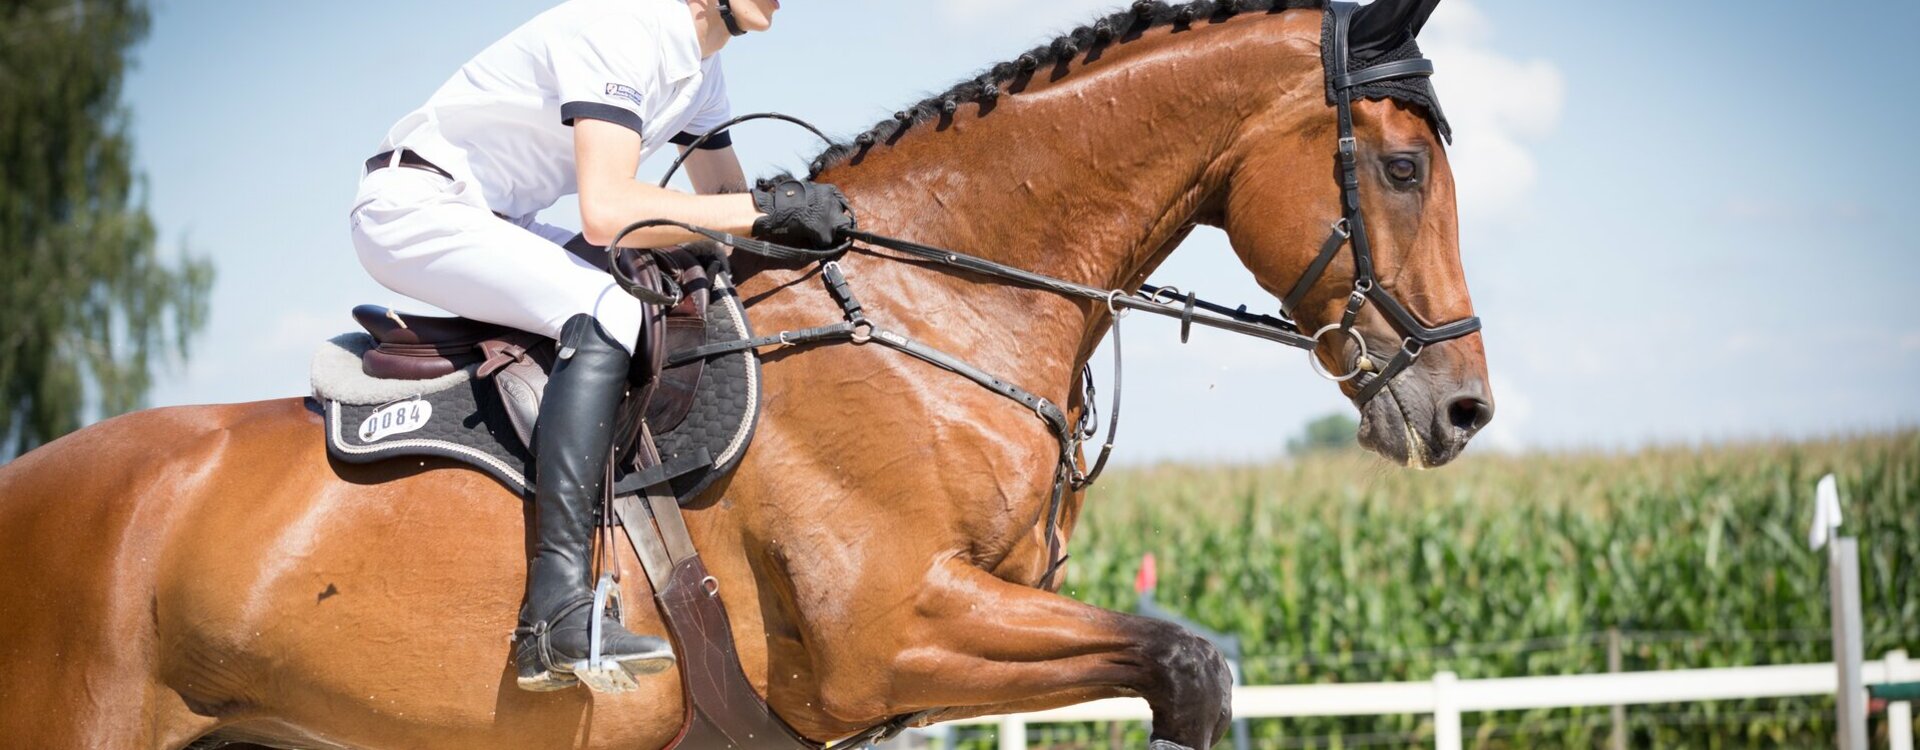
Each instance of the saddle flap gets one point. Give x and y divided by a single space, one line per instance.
675 387
521 378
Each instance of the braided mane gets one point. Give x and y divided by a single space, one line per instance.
1118 27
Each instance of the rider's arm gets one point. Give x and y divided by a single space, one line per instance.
715 171
608 157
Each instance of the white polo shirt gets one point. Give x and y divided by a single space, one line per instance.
503 122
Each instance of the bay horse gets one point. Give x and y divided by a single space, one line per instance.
196 576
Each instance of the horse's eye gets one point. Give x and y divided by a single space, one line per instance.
1403 170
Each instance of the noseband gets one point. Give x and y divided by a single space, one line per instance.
1351 231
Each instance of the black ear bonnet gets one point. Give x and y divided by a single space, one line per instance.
1417 91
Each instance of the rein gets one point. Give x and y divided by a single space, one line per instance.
1348 232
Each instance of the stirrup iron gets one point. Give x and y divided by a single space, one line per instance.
599 673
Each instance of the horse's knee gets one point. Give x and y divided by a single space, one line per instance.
1189 687
1188 661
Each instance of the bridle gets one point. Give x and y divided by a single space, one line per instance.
1351 231
856 328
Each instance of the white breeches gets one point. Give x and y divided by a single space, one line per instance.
435 240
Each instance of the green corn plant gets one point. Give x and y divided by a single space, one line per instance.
1338 568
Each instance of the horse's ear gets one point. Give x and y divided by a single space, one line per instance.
1382 25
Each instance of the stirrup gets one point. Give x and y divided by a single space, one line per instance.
599 673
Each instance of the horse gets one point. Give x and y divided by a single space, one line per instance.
198 576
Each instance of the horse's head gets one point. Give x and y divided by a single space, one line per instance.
1412 327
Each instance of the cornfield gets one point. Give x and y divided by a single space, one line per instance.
1343 569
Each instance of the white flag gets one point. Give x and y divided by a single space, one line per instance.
1826 512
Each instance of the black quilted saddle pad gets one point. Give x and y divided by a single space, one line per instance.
465 419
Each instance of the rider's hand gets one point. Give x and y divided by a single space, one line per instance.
801 213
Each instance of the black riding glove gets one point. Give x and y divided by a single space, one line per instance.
801 213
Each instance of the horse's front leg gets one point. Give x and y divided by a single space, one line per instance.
976 645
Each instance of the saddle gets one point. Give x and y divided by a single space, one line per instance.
470 391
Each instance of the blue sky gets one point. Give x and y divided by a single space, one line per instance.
1681 221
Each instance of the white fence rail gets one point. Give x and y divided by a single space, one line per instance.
1447 697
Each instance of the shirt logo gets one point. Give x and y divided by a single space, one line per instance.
623 91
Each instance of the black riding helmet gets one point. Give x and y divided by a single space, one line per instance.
726 15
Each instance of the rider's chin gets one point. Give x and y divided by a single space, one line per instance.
761 17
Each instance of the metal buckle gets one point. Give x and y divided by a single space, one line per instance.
862 332
1172 294
1322 369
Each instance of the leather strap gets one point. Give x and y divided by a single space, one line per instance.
1409 352
662 473
783 339
1417 67
1113 425
1328 250
723 710
408 159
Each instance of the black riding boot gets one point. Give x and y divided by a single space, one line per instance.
573 440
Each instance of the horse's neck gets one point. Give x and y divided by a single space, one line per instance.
1089 177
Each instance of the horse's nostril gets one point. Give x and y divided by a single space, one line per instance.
1469 413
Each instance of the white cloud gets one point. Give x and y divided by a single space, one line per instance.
1498 105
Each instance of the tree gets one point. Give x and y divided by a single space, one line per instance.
87 305
1333 432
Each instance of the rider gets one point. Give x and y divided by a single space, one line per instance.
573 101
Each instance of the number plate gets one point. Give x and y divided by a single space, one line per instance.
398 419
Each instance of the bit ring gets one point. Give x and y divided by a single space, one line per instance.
1322 369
